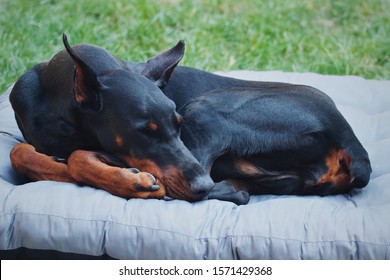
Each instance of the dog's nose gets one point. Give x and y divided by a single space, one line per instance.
201 186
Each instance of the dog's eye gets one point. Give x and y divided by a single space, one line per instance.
149 129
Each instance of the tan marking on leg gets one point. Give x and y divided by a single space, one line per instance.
86 168
247 168
339 165
37 166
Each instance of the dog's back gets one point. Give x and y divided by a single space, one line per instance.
274 137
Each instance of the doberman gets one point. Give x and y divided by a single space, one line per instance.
88 107
103 114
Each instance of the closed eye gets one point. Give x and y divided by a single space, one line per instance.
149 128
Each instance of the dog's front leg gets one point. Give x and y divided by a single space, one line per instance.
91 168
37 166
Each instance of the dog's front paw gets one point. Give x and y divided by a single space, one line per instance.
145 182
87 168
135 184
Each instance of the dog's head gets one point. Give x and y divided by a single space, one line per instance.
130 117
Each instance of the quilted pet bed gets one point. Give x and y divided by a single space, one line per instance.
46 219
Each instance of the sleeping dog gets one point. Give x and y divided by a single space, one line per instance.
155 129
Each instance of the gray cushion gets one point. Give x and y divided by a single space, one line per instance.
69 218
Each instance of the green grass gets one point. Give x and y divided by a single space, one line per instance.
350 37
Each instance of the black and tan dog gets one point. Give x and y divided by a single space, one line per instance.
179 126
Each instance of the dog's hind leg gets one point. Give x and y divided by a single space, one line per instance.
229 190
255 176
36 166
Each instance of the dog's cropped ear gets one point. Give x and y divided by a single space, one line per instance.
86 84
159 68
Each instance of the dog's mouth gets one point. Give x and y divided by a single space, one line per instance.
176 185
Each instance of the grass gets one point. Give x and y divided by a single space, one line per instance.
350 37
